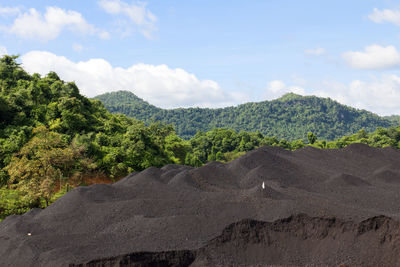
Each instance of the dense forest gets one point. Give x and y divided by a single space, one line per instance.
291 116
394 118
52 139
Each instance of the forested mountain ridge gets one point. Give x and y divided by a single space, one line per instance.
291 116
394 118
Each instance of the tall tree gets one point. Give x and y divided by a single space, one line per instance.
311 137
45 161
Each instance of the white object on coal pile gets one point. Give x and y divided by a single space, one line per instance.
263 185
29 234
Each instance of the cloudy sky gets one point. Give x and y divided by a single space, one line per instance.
209 54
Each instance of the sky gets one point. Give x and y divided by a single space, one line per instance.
207 53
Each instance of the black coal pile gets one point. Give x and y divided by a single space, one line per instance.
271 207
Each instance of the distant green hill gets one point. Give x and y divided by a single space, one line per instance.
290 116
394 118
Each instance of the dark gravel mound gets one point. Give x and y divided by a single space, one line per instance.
142 259
176 214
387 174
345 179
295 241
305 241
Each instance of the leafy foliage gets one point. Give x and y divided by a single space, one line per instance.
13 202
43 162
394 118
291 116
311 138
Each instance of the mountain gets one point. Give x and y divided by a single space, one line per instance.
291 116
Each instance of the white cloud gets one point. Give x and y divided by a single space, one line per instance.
104 35
9 11
385 15
34 25
380 95
374 57
77 47
136 13
316 51
160 85
278 88
3 51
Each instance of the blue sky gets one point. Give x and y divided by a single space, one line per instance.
213 53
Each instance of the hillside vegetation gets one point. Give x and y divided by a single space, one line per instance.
394 118
52 139
291 116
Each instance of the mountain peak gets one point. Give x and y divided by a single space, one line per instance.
120 93
289 96
122 97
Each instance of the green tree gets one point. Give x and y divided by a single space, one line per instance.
176 148
311 137
45 161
